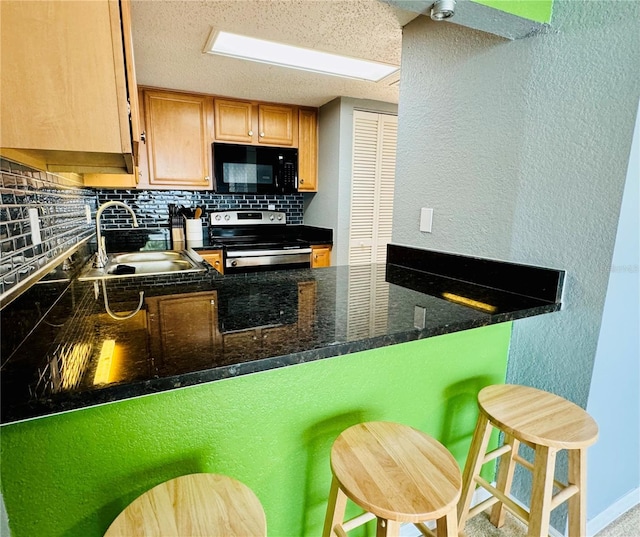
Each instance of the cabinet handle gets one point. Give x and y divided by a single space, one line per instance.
262 134
213 302
250 133
217 263
302 181
143 137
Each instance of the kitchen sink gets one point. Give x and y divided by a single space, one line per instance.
135 264
147 257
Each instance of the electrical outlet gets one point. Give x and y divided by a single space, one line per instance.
34 223
426 219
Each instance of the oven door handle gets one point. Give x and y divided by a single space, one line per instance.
262 253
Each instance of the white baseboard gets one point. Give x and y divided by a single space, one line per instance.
612 512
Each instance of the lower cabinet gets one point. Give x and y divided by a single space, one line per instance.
320 256
182 327
214 258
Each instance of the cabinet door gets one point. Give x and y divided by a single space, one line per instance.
214 258
178 130
184 330
132 84
233 121
276 125
308 151
320 256
63 85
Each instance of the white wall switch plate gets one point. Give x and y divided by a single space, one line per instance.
419 317
271 207
426 219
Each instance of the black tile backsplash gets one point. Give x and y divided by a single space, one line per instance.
151 206
60 204
60 201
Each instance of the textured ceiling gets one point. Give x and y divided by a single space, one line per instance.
169 36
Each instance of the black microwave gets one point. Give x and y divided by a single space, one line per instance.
250 169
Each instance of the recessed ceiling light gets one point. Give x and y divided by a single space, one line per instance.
259 50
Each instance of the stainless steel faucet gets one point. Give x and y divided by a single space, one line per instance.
101 255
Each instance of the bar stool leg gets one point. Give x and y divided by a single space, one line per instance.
578 502
505 479
542 490
387 528
336 508
473 466
447 526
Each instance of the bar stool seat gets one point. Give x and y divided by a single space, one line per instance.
196 505
395 474
546 423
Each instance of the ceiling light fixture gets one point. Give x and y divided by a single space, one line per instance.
270 52
442 9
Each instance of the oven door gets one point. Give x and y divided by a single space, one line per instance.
239 260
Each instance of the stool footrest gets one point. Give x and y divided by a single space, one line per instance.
529 466
357 521
424 529
516 509
563 495
491 455
477 509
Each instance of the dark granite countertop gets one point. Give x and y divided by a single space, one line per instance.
69 349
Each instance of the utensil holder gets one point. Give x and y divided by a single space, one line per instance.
194 232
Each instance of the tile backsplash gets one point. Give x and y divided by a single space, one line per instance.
58 202
151 206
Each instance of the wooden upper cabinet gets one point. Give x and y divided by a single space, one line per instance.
255 123
276 125
233 121
64 85
308 150
178 139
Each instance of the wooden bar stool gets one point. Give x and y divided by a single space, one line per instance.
396 474
546 423
196 505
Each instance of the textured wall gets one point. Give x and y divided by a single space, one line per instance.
71 474
521 148
616 371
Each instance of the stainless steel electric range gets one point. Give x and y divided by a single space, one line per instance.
257 240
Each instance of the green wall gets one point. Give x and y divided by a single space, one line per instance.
71 474
535 10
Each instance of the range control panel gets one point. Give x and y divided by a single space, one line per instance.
243 218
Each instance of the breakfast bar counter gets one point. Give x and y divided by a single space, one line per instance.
103 341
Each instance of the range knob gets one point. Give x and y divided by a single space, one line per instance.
226 217
218 217
234 263
279 217
271 218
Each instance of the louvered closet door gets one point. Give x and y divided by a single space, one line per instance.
374 162
372 186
